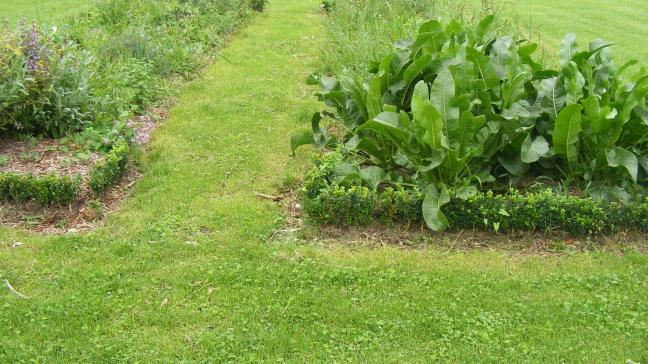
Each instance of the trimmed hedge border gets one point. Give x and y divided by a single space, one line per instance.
48 190
544 211
55 190
110 169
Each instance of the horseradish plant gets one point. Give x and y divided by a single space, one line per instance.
460 108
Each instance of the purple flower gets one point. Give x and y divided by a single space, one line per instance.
31 45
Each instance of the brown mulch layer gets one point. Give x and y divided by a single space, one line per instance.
43 158
420 238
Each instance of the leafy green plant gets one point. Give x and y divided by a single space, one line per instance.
44 84
106 64
462 108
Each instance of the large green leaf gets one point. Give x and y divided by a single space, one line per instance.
431 37
386 123
442 94
620 157
463 136
566 133
426 115
368 145
415 68
299 138
533 149
421 93
482 29
373 176
347 174
488 76
374 98
513 90
574 84
551 96
513 165
568 49
525 52
432 161
320 137
432 203
594 48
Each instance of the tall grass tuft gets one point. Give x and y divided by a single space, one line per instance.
360 31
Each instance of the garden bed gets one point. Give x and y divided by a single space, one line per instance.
47 186
44 157
81 214
307 221
461 127
78 99
56 160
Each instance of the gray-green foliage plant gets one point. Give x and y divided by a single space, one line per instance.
45 83
460 107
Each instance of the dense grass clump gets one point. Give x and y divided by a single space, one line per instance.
359 32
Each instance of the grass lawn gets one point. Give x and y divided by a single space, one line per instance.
44 10
620 22
186 270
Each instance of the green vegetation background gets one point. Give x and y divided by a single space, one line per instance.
186 270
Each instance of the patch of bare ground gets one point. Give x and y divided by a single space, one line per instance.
44 157
419 237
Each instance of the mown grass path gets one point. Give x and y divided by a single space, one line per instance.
45 11
186 270
619 22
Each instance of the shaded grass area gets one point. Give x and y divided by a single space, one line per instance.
186 271
43 11
620 22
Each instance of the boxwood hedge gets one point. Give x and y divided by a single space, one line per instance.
326 201
47 190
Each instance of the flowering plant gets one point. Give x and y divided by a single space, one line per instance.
44 83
